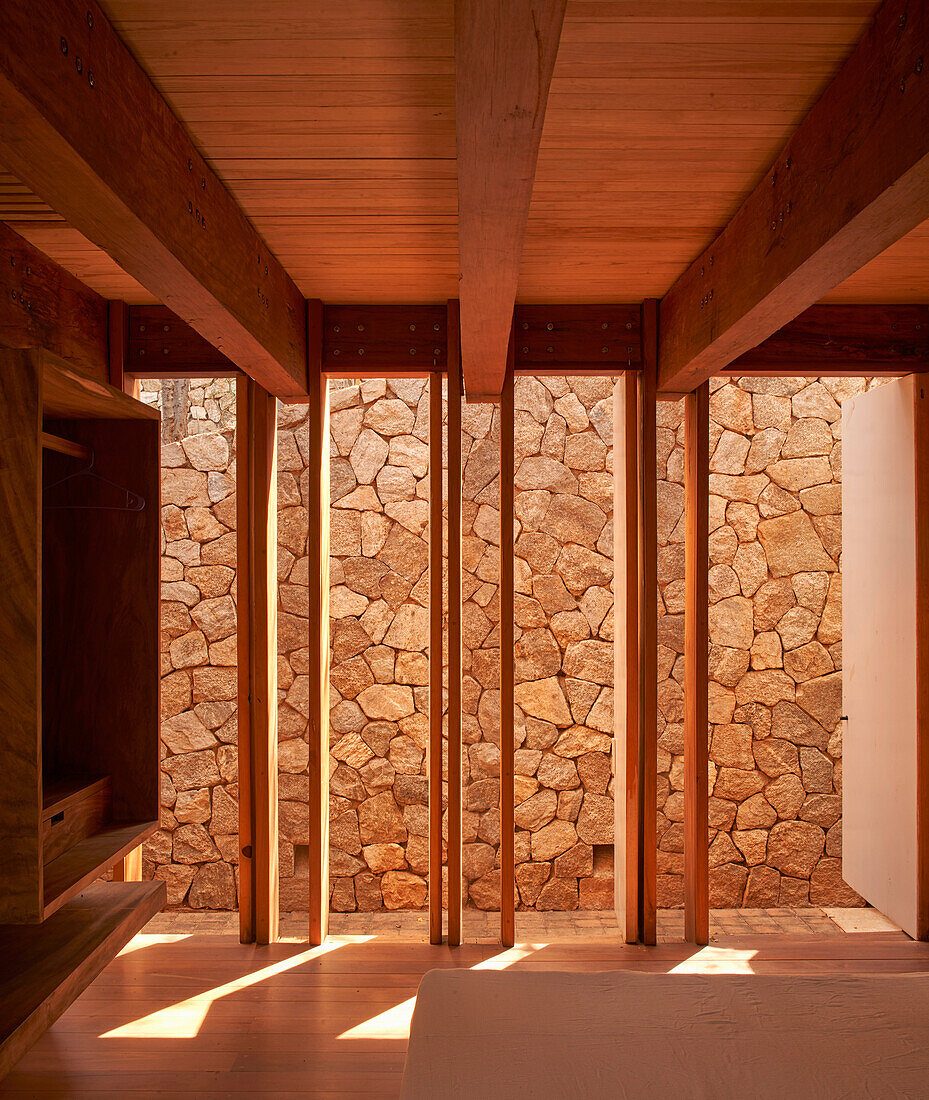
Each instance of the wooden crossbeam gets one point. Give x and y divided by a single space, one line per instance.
44 306
82 125
852 179
844 341
160 345
504 57
383 340
577 339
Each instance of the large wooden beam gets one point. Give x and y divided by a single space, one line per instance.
44 306
696 670
83 126
846 341
853 179
504 57
256 548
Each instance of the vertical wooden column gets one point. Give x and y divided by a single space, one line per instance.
318 563
118 355
921 505
454 627
696 665
626 654
256 548
435 657
129 868
648 624
507 669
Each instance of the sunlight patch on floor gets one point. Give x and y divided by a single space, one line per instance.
184 1019
147 939
716 960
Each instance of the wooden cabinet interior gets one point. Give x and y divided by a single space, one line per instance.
79 652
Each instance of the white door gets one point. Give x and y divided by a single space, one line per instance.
879 750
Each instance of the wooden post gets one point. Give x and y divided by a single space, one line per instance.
256 546
318 555
921 506
648 624
129 868
435 657
507 669
696 671
626 654
454 628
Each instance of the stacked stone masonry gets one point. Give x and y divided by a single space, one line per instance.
775 661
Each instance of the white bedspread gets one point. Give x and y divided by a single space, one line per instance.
552 1034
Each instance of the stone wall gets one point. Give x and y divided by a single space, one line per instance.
564 662
776 644
775 630
196 849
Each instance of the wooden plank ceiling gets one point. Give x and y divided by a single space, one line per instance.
333 125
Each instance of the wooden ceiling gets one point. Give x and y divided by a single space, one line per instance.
333 125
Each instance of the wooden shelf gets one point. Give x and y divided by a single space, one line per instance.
87 860
47 966
69 792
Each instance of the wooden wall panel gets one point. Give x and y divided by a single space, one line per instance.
256 502
20 636
696 665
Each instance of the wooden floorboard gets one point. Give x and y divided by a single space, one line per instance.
202 1015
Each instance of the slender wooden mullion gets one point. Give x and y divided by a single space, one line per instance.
435 657
626 654
507 671
318 563
256 499
921 505
696 670
648 624
454 629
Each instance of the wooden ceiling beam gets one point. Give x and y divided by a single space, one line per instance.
852 180
44 306
504 57
844 341
82 125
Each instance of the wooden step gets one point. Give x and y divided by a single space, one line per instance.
47 966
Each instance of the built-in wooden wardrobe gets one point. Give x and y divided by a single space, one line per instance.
79 679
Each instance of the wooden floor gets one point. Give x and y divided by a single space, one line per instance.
199 1015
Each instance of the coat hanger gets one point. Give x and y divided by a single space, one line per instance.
128 500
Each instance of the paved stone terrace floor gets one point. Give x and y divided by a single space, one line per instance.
186 1010
408 926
